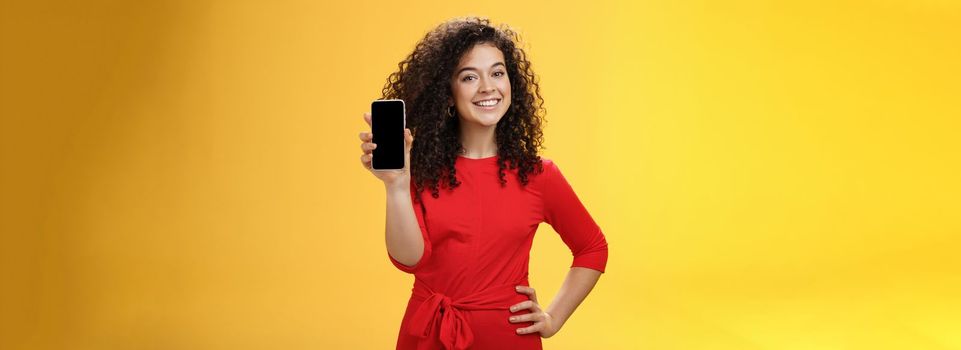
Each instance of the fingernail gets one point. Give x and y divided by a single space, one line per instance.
517 288
513 318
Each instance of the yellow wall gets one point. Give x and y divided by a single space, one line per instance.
770 175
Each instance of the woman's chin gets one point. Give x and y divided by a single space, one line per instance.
487 118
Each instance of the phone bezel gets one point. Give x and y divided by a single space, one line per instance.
404 111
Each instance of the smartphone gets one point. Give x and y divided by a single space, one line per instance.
388 119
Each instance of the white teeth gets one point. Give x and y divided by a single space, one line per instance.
486 103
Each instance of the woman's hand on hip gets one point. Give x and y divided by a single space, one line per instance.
391 178
543 322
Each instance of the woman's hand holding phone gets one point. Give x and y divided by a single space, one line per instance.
393 179
404 238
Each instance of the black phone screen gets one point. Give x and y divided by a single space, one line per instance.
387 125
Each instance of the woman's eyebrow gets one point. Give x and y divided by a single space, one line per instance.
475 69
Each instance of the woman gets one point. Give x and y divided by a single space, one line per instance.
461 215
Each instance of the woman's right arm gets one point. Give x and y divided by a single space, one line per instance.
405 240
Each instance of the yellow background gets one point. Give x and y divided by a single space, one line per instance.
769 174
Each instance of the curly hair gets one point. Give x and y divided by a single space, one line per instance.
423 82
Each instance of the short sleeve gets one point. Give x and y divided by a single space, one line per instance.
419 212
567 215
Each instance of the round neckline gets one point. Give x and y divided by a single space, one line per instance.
477 159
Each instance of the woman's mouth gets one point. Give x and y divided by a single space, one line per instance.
488 104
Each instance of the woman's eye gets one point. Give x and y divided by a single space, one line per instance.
467 78
497 74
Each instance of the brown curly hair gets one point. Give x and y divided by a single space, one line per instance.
423 82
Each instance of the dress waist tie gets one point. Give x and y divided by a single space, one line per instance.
439 316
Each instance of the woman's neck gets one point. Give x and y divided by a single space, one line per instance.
478 141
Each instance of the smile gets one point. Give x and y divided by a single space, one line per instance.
487 104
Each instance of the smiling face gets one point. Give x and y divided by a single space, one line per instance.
480 85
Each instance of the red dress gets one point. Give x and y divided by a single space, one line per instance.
477 242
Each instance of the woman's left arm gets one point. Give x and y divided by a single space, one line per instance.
577 285
565 212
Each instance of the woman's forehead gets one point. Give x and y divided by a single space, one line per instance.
481 56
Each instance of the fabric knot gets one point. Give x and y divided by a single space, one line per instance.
440 317
439 311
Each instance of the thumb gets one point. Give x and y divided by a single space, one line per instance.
408 139
408 144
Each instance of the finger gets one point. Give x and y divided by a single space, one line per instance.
365 159
367 147
408 145
519 306
532 329
529 304
366 136
523 318
367 118
529 291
